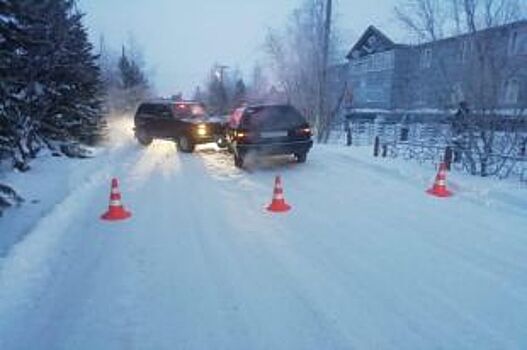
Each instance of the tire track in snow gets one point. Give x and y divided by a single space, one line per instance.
242 264
423 238
438 249
415 202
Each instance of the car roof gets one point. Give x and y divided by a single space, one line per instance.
171 102
258 107
268 105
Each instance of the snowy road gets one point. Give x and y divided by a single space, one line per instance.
364 261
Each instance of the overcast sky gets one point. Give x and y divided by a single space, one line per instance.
182 39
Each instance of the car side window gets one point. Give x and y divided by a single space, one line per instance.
155 111
143 109
164 112
147 110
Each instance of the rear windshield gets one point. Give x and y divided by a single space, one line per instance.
272 118
187 110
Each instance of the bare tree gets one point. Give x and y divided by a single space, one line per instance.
430 20
482 130
259 84
301 58
426 19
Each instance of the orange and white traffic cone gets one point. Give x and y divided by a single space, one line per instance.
116 210
439 189
278 205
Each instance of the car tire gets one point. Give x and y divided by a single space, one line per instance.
222 142
239 161
143 138
185 144
301 157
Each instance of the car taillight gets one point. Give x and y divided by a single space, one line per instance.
304 132
241 135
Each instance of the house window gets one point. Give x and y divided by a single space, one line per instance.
511 91
419 97
457 94
369 63
381 61
388 60
513 43
518 42
465 50
405 133
426 58
377 63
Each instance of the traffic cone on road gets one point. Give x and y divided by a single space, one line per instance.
278 205
439 189
116 210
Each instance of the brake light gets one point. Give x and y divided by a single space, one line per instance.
304 132
241 135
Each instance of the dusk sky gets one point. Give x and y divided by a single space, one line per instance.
182 39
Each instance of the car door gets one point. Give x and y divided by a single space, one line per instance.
145 119
165 122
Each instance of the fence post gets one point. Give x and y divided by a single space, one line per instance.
349 140
448 157
376 146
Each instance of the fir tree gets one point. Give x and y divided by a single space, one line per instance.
217 97
133 83
51 90
240 94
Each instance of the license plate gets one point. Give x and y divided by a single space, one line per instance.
271 134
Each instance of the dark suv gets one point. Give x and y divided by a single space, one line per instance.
185 122
268 130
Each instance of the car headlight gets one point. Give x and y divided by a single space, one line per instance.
202 130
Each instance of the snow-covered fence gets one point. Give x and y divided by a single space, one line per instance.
427 143
363 132
422 152
506 166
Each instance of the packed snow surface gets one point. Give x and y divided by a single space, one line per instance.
365 260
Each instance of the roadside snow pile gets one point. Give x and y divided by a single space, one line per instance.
76 150
508 195
8 198
53 177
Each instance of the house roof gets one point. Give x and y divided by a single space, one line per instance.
383 39
386 43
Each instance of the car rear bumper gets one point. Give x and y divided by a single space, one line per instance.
207 139
295 147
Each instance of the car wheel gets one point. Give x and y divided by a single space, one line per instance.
185 144
301 157
239 161
143 138
222 142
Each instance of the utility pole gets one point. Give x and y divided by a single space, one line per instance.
220 72
322 108
223 99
